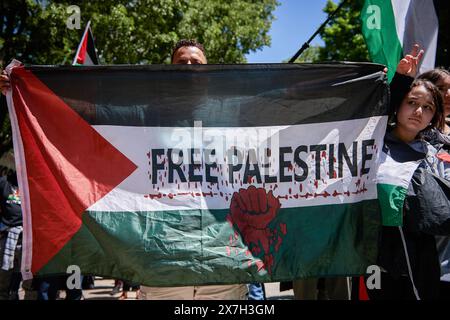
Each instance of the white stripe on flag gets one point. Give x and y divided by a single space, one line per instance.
400 8
21 168
416 22
395 173
139 192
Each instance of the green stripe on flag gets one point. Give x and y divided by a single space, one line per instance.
380 33
170 248
391 199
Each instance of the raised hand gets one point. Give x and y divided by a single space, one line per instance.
409 64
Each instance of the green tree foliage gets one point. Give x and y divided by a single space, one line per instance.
342 35
134 31
129 32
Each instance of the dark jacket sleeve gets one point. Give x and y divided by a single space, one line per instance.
399 87
428 209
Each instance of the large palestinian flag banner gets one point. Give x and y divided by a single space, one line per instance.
213 174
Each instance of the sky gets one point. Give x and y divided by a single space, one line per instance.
295 22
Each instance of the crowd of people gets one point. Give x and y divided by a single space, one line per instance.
414 258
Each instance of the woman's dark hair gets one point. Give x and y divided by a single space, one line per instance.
438 120
434 75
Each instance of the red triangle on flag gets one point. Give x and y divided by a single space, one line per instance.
69 165
362 294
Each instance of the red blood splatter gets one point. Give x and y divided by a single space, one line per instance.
283 228
316 183
259 265
324 154
290 191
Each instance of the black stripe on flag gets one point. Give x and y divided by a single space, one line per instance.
90 50
220 95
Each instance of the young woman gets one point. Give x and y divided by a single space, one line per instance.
408 257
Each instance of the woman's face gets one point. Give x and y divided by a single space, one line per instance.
416 110
444 87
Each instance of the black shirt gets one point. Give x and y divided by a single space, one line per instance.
11 212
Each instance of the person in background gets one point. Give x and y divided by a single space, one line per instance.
10 236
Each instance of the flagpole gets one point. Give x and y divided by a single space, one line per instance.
81 42
306 44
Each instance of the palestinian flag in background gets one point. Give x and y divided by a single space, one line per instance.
212 174
86 53
392 27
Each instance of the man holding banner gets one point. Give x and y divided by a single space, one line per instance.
191 52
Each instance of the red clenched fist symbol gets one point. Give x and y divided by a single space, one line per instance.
252 210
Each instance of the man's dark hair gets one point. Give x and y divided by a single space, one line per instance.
187 43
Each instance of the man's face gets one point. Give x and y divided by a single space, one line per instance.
189 55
